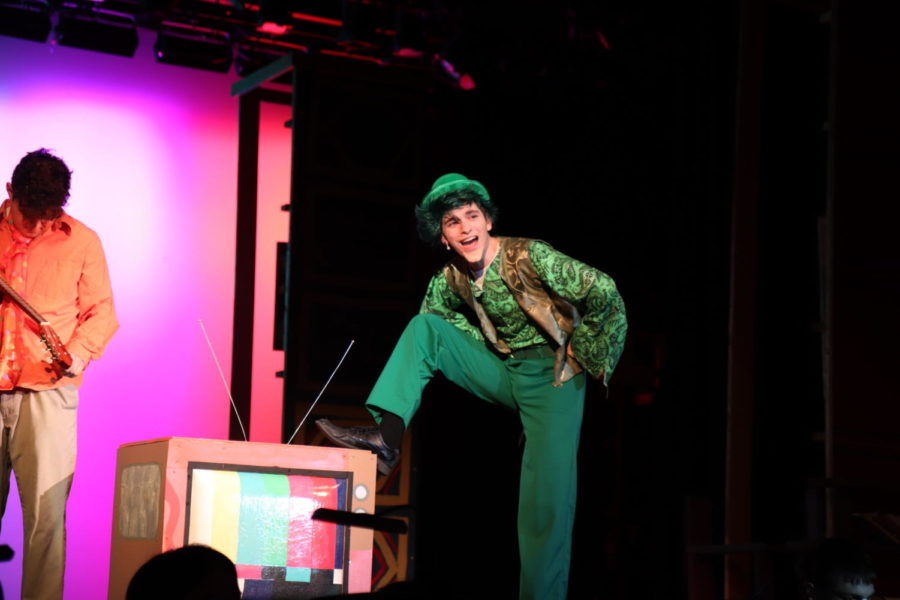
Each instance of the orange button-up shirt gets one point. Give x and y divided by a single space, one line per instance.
67 282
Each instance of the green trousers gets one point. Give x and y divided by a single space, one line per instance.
551 418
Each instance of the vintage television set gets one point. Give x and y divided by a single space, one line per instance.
254 503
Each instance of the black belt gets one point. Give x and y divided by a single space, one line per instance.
541 351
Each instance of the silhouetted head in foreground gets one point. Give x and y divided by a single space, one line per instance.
193 572
839 569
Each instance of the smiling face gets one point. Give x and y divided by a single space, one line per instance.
466 230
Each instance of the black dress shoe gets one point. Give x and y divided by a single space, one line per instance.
362 438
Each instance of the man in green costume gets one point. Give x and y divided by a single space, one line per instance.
516 323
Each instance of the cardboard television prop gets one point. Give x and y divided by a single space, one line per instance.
254 503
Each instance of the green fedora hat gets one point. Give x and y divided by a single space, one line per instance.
453 182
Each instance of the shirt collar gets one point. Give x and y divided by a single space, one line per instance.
63 224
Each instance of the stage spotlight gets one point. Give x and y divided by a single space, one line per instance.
449 74
96 29
409 39
188 46
26 19
274 17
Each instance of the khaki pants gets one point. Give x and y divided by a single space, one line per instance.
37 442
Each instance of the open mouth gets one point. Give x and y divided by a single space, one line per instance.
469 241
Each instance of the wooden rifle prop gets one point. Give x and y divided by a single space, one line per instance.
61 359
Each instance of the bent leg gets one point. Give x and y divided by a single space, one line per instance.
551 418
427 345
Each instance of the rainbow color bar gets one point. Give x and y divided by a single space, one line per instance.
263 522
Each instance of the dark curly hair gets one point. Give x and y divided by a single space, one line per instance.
430 217
834 560
40 184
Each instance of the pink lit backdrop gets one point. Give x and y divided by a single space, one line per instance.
154 152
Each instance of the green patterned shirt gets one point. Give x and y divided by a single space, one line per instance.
598 339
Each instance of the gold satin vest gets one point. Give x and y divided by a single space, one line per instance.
556 317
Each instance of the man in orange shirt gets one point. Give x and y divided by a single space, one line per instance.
56 265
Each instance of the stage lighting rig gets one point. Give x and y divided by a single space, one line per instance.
253 53
26 19
192 46
359 25
409 37
273 17
85 26
446 72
